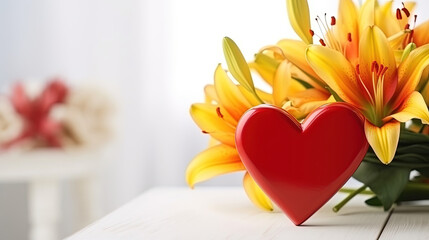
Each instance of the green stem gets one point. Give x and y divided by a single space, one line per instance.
337 207
350 190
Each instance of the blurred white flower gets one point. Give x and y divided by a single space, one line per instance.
11 124
86 117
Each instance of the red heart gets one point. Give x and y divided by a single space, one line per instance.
301 166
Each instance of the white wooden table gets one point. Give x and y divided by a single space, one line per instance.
226 213
44 170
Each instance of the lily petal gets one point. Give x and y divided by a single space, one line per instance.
396 42
373 46
266 67
299 18
409 74
348 23
237 65
264 96
308 95
206 116
421 34
367 15
413 107
229 94
213 142
336 71
384 139
301 111
294 52
210 94
424 79
282 80
212 162
255 193
385 19
425 93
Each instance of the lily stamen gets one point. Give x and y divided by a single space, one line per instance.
333 21
405 10
415 20
364 86
378 73
410 33
219 113
398 14
329 37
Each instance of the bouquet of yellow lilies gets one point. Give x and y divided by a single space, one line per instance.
369 56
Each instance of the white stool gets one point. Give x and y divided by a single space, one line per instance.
44 170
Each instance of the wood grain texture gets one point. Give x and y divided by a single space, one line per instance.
408 222
226 213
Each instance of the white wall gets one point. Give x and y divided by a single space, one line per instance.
156 54
97 42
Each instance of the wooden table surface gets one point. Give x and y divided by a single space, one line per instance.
226 213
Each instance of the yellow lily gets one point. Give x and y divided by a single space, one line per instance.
301 93
343 35
225 103
383 92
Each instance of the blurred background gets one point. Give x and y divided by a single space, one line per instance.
153 57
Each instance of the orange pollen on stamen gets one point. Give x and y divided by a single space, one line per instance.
311 32
407 13
398 14
405 10
378 70
349 37
219 114
333 21
374 67
322 42
204 132
407 26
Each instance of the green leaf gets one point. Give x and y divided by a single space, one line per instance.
424 171
391 183
408 137
237 65
387 182
413 191
374 201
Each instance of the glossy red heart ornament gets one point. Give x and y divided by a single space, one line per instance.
301 166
